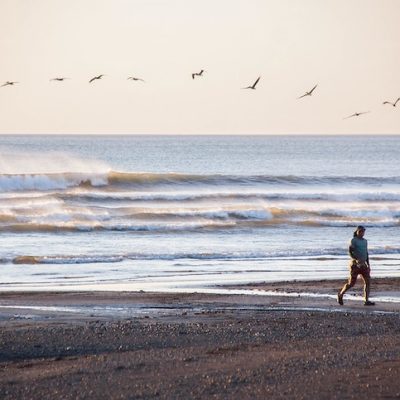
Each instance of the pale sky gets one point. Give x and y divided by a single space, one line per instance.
350 48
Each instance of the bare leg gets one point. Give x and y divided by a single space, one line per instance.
346 287
352 281
367 286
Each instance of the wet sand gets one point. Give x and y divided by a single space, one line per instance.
378 286
112 345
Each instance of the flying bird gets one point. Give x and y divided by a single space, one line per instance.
392 104
357 114
9 83
133 78
58 79
96 77
308 93
253 86
198 73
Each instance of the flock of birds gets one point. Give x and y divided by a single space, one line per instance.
200 74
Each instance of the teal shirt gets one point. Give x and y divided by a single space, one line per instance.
358 249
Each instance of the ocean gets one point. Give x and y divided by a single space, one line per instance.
192 213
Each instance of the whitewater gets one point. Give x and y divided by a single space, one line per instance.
184 213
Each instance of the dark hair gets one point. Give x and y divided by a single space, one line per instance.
359 228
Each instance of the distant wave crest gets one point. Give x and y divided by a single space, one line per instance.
145 178
64 180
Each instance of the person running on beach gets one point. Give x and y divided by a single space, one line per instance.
359 265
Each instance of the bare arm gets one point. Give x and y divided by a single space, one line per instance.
351 253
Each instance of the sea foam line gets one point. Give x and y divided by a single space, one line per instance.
381 253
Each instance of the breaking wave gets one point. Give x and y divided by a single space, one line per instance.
102 177
52 181
61 193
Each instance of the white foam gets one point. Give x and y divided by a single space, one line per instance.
55 170
49 182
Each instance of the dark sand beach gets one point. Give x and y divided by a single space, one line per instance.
110 345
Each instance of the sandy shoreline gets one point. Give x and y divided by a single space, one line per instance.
180 346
